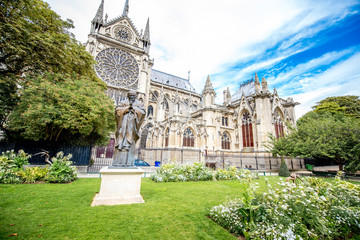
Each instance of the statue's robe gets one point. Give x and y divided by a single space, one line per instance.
128 122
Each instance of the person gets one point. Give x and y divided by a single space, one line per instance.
129 115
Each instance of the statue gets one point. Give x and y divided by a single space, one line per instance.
129 115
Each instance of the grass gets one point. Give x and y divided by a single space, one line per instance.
63 211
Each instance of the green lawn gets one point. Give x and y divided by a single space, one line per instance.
62 211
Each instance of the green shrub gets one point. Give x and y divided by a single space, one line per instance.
312 209
61 169
284 170
33 174
176 173
10 165
197 172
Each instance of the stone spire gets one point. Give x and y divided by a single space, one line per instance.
126 9
208 86
257 84
98 20
208 93
227 96
146 37
264 85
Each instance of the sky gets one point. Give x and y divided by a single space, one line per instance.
306 49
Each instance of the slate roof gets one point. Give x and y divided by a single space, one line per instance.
171 80
248 88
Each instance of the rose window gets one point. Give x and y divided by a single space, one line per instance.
117 68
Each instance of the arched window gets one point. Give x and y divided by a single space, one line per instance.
224 121
150 110
154 96
144 135
167 133
247 133
188 138
166 104
225 141
279 125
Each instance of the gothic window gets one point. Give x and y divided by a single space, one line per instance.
167 133
154 96
188 138
117 67
225 121
166 104
144 135
225 141
150 110
279 124
247 132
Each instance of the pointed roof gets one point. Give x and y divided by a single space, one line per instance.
247 88
99 14
208 85
171 80
126 8
146 35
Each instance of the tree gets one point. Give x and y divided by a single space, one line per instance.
348 105
63 108
49 89
283 147
34 39
335 137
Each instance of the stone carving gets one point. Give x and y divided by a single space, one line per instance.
117 68
129 115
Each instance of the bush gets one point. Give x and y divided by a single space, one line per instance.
313 209
176 173
284 170
197 172
34 174
61 169
10 164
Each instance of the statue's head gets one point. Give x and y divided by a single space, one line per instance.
131 96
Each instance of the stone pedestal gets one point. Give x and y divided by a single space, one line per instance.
119 186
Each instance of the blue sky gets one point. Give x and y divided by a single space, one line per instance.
308 50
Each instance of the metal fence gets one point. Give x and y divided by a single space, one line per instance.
80 154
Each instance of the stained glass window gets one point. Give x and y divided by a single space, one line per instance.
118 68
188 138
247 132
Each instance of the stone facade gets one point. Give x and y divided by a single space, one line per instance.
181 124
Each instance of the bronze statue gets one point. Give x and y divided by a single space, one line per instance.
129 115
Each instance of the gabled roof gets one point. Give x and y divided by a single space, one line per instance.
247 88
171 80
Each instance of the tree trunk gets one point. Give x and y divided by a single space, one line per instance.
341 166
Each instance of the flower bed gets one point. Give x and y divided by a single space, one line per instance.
312 209
197 172
60 169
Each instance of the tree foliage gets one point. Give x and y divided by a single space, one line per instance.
329 136
48 87
35 39
348 105
323 136
63 108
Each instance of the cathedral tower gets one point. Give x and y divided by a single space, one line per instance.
121 54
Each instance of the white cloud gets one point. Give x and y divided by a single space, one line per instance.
341 79
209 36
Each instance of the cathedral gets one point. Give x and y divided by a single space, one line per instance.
182 125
